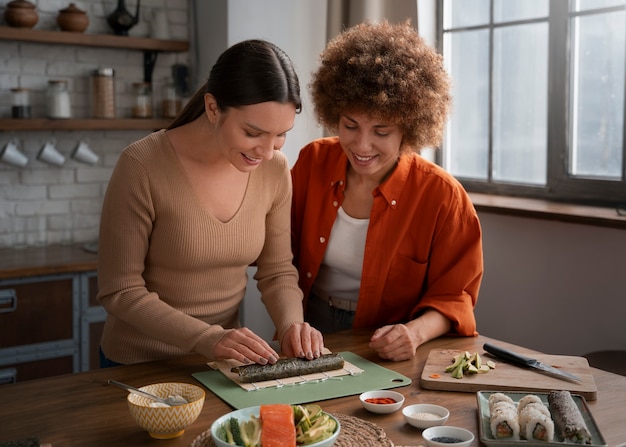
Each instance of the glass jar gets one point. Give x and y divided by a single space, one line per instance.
142 107
103 93
170 101
20 102
58 99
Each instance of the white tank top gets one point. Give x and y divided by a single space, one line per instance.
340 272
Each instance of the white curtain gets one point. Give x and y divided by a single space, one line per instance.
346 13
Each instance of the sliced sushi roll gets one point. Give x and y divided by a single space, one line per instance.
528 399
535 424
568 420
499 397
532 401
503 420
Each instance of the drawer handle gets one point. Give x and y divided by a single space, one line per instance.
8 375
8 301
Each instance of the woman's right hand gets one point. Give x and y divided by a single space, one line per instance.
245 346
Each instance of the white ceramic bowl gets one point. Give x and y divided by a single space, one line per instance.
382 408
431 434
246 413
166 422
425 415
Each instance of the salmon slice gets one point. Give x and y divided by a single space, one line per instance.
279 429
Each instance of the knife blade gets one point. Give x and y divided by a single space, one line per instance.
519 359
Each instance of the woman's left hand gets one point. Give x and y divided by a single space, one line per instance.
302 340
400 341
395 342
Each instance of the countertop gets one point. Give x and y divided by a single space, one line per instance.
48 260
82 410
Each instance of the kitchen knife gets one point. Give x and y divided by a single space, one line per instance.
519 359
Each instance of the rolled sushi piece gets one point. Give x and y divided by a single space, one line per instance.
499 397
530 399
503 420
568 420
288 367
535 424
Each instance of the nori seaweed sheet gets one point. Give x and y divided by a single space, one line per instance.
288 368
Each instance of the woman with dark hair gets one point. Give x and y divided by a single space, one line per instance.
188 209
382 238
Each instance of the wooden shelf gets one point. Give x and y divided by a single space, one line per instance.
150 48
83 124
92 40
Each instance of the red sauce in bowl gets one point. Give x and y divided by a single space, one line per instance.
380 400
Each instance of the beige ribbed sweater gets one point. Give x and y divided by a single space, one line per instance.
170 275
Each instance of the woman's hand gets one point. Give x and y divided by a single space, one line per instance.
302 340
398 342
395 342
244 345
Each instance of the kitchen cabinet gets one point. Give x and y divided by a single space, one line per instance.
39 326
150 48
50 321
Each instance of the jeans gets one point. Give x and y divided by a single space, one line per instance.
107 363
325 318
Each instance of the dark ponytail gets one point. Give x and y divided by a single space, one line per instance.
250 72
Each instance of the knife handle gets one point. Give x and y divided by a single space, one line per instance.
507 355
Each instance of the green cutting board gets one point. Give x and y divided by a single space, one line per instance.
373 377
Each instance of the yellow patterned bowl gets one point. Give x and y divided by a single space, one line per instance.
166 422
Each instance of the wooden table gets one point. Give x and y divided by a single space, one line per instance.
82 410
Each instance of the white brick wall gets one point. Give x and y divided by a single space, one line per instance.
42 204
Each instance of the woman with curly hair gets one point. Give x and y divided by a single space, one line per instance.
383 238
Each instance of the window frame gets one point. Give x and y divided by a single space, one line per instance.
560 186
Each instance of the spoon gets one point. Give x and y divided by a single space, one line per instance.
169 401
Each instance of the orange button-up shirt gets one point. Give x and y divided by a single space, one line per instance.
423 248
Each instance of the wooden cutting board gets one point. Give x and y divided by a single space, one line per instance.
507 376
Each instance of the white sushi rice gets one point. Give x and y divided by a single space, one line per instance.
529 399
530 419
503 417
535 424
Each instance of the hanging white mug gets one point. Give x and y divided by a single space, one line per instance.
50 154
84 154
12 155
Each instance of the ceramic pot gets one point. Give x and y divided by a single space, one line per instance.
72 19
21 14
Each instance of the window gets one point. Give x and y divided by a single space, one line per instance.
538 97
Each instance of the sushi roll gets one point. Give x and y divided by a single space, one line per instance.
528 399
568 420
535 424
499 397
291 367
503 419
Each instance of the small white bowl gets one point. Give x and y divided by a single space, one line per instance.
425 415
431 434
382 408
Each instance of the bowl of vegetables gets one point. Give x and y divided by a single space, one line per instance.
307 425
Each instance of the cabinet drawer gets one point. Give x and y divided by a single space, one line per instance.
42 368
36 312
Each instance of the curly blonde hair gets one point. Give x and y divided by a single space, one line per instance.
388 72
